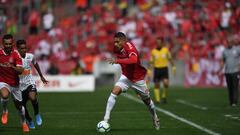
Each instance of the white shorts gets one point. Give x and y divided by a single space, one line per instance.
15 91
140 87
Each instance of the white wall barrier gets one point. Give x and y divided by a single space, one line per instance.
68 83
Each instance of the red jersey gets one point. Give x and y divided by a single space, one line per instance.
8 74
134 72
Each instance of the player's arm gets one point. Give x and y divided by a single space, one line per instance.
131 60
222 63
152 59
17 68
172 63
36 66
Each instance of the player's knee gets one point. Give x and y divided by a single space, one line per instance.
117 90
18 105
4 93
166 83
32 96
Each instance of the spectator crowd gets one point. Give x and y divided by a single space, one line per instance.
69 36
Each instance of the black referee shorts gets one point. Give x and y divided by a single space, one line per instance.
160 74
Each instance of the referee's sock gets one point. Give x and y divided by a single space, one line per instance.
164 93
157 94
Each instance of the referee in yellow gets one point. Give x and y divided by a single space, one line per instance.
160 58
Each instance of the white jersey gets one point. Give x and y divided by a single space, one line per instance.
26 78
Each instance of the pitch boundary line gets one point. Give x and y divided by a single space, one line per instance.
190 104
175 116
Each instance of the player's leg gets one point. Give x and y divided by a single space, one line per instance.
33 97
165 90
17 99
151 107
157 91
141 88
27 115
111 102
4 100
121 85
165 80
235 88
229 87
156 80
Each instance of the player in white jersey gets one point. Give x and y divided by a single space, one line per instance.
27 82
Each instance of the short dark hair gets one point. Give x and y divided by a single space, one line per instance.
7 36
20 42
120 35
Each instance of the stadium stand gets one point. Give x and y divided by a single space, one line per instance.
64 31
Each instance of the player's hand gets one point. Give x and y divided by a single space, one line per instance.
174 69
6 65
44 80
3 65
111 61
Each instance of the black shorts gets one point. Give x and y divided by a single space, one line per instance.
160 74
26 92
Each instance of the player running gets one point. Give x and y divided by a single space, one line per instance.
160 57
27 83
10 68
132 76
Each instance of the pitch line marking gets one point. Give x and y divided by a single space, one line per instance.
175 116
232 117
190 104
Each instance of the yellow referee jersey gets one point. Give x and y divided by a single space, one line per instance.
160 58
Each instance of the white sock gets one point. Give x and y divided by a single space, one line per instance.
151 108
110 104
4 104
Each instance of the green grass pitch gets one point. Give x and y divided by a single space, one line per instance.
78 114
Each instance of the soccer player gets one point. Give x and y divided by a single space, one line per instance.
160 57
10 68
27 83
133 74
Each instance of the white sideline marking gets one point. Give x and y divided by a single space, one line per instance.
175 116
190 104
232 117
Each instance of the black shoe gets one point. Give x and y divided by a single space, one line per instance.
163 101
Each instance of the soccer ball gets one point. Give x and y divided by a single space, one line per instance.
103 127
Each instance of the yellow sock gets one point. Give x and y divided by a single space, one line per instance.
164 93
157 95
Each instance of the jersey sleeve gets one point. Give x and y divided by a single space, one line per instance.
131 50
18 59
